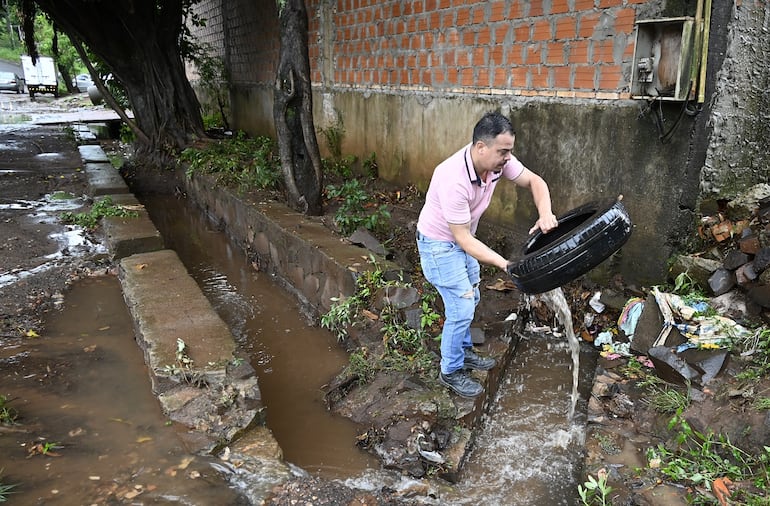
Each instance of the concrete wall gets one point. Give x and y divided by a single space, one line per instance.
409 79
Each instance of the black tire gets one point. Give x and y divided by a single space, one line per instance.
585 237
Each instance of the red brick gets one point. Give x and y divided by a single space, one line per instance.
452 76
606 4
484 36
468 38
463 17
498 12
466 77
559 7
562 77
501 78
483 77
624 20
519 75
584 78
566 28
555 53
516 54
584 5
438 77
477 15
536 8
611 77
541 31
587 23
497 54
539 77
479 56
434 21
521 32
603 51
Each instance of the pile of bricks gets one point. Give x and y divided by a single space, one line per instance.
740 258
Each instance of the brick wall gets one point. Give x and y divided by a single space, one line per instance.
564 48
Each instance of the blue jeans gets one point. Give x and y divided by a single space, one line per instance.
456 276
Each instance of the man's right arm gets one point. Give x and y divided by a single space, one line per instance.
476 248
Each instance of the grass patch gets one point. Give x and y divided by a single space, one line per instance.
240 162
101 209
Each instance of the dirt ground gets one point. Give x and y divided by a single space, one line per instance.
27 173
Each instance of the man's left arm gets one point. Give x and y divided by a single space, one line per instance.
542 197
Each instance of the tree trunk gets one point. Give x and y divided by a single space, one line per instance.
293 112
138 40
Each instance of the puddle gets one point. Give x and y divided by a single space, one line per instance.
83 390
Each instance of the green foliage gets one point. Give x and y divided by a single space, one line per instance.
357 208
667 399
698 459
213 81
595 491
101 208
404 347
334 134
5 489
757 347
242 162
8 415
371 169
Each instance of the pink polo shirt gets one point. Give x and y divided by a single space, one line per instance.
456 195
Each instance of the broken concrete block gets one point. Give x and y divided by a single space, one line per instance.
722 281
671 367
762 259
734 259
697 268
651 327
745 274
709 362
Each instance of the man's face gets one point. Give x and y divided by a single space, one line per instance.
495 155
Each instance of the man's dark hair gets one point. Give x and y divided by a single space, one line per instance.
490 126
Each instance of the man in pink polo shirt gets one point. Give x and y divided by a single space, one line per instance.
460 191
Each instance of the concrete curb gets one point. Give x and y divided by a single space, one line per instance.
189 350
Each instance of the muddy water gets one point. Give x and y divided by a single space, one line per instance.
530 451
90 431
530 448
293 358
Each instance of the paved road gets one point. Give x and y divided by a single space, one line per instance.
8 66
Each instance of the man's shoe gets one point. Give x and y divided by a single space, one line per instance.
473 361
461 383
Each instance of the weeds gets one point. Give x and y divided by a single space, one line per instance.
700 458
102 208
595 491
357 208
667 399
8 415
5 488
247 164
182 369
404 347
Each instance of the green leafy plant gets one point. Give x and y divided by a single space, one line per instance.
102 208
667 399
5 489
242 162
182 368
700 458
595 491
357 208
8 415
404 347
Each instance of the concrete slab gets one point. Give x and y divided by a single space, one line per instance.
92 153
104 179
126 236
168 305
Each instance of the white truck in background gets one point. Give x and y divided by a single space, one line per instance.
40 77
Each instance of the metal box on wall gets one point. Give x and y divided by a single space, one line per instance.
663 59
